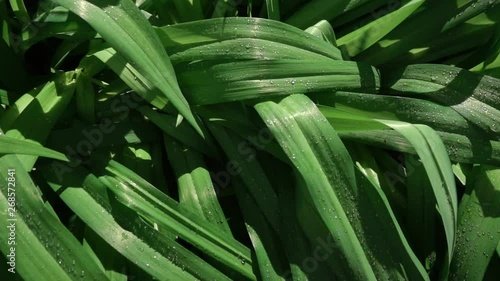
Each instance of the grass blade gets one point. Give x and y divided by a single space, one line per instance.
196 190
87 197
364 37
288 132
58 250
479 226
124 27
10 145
273 9
436 162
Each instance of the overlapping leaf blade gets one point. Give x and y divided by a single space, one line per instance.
329 178
154 205
478 226
58 250
87 197
123 26
196 190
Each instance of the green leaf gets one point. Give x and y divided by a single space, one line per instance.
437 164
44 244
24 119
323 30
124 27
270 257
459 147
129 74
472 95
158 255
242 163
349 204
180 37
310 165
10 145
273 9
167 213
206 83
196 190
364 37
421 212
181 133
85 98
369 178
479 226
433 20
316 10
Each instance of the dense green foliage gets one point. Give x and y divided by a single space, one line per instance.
250 140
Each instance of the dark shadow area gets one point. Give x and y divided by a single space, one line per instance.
368 80
443 15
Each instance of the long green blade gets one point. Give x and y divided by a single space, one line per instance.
124 27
